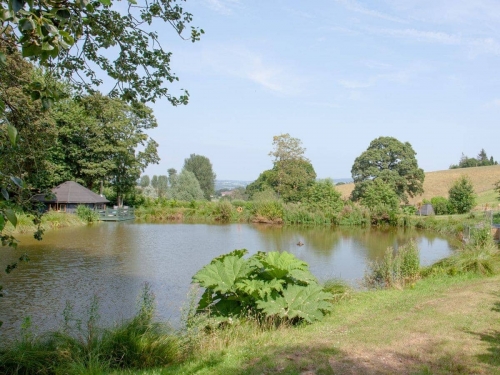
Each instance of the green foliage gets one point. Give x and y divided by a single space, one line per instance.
292 174
223 211
186 188
396 269
480 161
271 284
322 195
497 188
202 169
269 211
83 347
49 33
98 138
479 256
379 193
391 161
144 181
441 206
87 214
462 196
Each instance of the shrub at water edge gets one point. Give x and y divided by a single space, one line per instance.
269 284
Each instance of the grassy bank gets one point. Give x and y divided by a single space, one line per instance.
50 220
447 322
444 325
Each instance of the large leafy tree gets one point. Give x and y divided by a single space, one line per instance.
98 140
202 169
70 39
292 173
391 161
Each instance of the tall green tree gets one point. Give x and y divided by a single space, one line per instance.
187 187
144 181
99 140
462 196
162 186
391 161
202 169
172 176
292 173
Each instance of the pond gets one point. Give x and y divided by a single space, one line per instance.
113 261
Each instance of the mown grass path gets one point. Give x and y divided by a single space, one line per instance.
443 325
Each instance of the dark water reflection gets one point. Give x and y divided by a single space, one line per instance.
114 260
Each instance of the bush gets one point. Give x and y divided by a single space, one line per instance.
396 269
270 285
441 206
87 214
223 211
379 193
461 195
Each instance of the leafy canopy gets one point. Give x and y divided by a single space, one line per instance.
70 39
272 284
292 173
202 168
393 162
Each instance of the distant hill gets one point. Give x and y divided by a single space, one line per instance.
438 183
230 184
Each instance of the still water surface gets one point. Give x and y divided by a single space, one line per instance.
114 260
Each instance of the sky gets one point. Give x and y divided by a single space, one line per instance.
336 75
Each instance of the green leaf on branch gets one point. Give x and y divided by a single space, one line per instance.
63 14
35 95
105 2
5 194
12 132
16 5
3 58
31 50
47 102
26 24
16 180
11 216
2 223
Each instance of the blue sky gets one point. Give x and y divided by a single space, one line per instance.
335 74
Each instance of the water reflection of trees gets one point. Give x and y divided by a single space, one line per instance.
320 240
370 243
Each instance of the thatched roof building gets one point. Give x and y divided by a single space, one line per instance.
69 195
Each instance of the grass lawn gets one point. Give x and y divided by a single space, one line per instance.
442 325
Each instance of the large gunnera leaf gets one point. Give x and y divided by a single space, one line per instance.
303 302
221 275
279 265
259 289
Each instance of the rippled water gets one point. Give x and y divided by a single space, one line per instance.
114 260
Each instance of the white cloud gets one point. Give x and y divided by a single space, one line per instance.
424 36
354 6
495 103
250 65
401 77
222 6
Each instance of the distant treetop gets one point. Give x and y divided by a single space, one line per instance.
481 160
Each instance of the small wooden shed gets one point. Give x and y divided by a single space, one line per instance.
426 210
69 195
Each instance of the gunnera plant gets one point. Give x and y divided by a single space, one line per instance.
273 284
396 269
